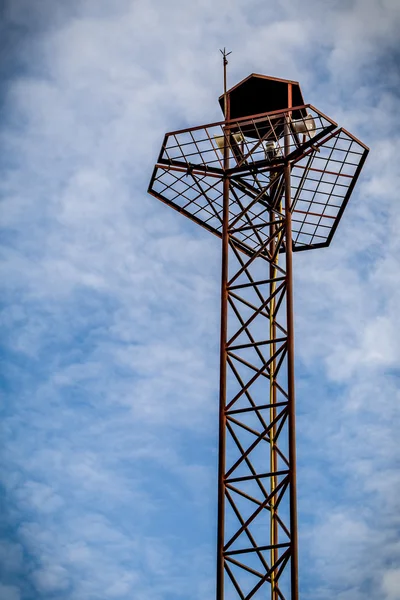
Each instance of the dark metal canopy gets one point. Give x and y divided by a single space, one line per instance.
258 94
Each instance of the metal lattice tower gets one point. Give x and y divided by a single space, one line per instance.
273 178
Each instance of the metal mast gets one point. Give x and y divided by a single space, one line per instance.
271 179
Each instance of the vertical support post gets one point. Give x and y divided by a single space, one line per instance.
223 356
290 363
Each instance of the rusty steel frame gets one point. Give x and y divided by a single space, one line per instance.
189 173
276 308
263 209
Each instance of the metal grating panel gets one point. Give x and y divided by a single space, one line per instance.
324 169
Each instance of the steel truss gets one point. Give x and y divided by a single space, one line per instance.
257 468
266 192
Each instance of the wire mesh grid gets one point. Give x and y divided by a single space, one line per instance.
324 167
321 185
197 195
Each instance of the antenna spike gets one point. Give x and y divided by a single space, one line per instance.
225 54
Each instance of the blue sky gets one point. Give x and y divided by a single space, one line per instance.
109 309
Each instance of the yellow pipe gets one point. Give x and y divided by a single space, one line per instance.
272 412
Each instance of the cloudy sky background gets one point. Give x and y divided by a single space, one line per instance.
109 310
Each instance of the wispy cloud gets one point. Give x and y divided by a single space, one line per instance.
110 301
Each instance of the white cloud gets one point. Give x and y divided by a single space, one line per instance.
111 329
51 579
391 584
